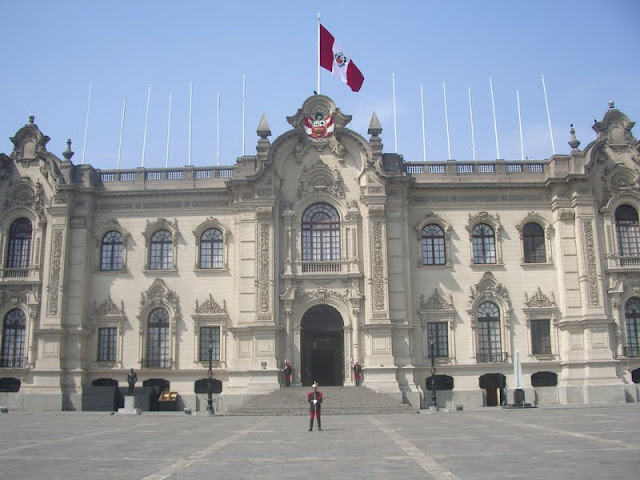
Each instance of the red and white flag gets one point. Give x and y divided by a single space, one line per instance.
333 58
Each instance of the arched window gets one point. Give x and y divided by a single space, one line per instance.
632 317
158 339
484 244
211 249
13 339
628 231
320 233
533 240
161 251
19 244
111 251
433 247
489 338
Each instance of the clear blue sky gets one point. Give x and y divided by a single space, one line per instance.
51 51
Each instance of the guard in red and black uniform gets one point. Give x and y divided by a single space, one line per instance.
315 403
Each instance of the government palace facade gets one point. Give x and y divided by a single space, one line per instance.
323 250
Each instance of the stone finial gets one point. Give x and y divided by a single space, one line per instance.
611 105
32 119
375 128
574 143
263 129
67 154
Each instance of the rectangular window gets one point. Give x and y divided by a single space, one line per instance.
209 336
107 344
439 333
540 337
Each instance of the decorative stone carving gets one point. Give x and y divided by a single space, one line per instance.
592 273
210 306
263 267
56 271
108 307
377 266
435 302
321 179
539 300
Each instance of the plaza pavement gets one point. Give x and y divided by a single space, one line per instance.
595 442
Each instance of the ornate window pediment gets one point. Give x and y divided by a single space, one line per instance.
528 242
434 237
488 289
210 319
485 239
216 245
107 322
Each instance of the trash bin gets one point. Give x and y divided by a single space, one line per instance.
168 401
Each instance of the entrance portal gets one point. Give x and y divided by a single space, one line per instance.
494 385
322 346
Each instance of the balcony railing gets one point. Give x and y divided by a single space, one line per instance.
30 273
321 267
13 362
492 357
632 351
156 363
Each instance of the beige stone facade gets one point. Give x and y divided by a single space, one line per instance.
321 249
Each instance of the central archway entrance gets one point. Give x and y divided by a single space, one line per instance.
322 346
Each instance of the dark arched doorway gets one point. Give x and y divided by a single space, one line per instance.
494 385
322 346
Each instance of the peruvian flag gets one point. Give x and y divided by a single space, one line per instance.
333 58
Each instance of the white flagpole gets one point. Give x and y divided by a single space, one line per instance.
395 124
473 136
86 125
446 118
218 133
244 109
495 123
190 117
546 101
124 109
318 53
146 123
520 123
424 140
166 163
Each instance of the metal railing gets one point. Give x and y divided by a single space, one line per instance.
492 357
13 362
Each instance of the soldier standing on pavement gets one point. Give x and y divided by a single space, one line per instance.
315 403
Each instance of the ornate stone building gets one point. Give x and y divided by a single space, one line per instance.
321 249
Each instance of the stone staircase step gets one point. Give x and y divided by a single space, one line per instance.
338 401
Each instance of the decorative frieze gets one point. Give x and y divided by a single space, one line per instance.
108 308
377 268
592 273
210 306
264 267
539 300
55 272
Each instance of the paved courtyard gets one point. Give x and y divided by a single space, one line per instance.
490 443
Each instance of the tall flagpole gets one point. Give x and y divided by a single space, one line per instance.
424 140
86 125
166 162
318 53
446 118
218 134
520 123
395 124
495 123
244 108
124 109
190 117
146 123
473 136
546 101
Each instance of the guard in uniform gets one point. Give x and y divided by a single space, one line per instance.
315 403
287 370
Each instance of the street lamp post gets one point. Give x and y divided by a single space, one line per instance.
210 410
432 354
